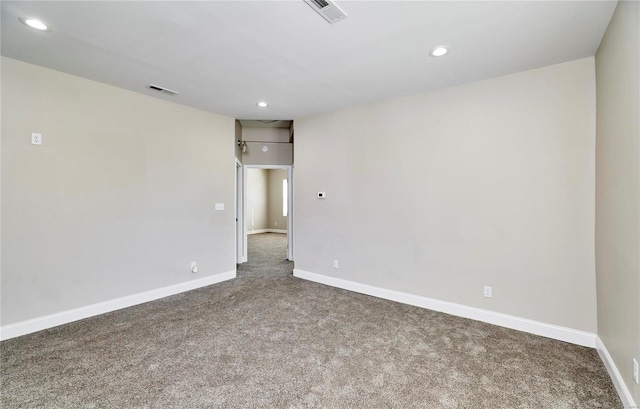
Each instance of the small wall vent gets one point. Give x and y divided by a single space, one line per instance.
163 89
327 9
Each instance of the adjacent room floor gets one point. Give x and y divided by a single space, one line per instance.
269 340
267 256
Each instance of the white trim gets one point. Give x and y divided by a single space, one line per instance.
618 382
258 231
508 321
65 317
290 213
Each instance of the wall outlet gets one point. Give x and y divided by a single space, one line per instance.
335 263
36 139
488 291
194 267
635 370
275 223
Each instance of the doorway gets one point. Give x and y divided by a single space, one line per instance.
279 206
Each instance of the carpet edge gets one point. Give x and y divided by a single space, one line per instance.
553 331
64 317
621 387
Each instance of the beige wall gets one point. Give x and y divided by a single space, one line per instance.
256 134
276 219
257 212
279 151
618 189
118 200
264 199
438 194
277 154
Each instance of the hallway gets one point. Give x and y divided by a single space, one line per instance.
267 256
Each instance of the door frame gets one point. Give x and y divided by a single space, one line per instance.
289 169
239 183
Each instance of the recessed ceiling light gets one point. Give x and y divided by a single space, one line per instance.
34 23
439 51
262 104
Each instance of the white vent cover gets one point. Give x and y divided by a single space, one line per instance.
327 9
163 89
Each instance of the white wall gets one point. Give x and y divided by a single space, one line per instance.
438 194
118 200
618 190
257 213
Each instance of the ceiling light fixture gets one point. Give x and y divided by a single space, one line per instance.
262 104
34 23
439 51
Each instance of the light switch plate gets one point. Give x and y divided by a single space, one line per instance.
219 206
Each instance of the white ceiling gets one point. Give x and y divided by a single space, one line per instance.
224 56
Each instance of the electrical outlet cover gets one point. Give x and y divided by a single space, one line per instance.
36 139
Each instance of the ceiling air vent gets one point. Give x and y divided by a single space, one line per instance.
327 9
162 89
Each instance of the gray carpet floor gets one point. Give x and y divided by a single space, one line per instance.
269 340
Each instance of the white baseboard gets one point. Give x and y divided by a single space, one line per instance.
64 317
258 231
618 382
509 321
